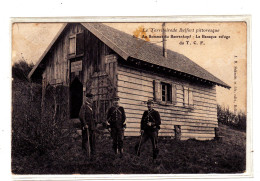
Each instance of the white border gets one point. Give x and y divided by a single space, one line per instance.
51 8
136 19
234 18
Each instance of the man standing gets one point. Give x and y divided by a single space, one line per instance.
88 125
150 125
116 121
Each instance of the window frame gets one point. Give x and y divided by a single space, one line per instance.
166 93
74 54
157 92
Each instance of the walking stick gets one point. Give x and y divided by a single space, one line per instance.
139 145
88 143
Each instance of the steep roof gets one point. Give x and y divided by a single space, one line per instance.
128 46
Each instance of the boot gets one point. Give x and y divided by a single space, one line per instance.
93 152
155 153
115 151
121 152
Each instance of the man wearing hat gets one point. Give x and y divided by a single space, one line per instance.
116 121
88 124
150 125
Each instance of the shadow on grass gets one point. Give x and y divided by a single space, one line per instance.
189 156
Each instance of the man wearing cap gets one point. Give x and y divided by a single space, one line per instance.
88 124
150 125
116 121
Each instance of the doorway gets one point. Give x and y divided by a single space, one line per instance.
76 97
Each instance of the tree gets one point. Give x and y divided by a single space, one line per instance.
21 69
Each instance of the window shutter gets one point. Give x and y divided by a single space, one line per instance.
157 90
169 93
174 94
79 43
186 96
190 97
72 45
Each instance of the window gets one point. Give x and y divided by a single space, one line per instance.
76 45
166 92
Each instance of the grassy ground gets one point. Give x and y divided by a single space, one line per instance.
191 156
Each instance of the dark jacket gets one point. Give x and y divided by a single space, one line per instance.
116 117
152 116
86 116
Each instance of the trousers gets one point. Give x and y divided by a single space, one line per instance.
117 135
92 141
153 136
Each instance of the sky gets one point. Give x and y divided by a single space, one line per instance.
216 50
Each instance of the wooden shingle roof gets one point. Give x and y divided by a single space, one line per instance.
128 46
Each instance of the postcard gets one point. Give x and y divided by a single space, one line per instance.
93 97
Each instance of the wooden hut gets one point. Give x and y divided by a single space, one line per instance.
96 58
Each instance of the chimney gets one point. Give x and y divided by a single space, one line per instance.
164 41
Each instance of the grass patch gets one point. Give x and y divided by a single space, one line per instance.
191 156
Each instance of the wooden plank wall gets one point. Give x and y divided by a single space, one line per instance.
56 71
57 68
94 61
135 87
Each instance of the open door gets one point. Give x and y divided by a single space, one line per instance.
76 97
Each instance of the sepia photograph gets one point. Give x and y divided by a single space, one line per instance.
166 97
